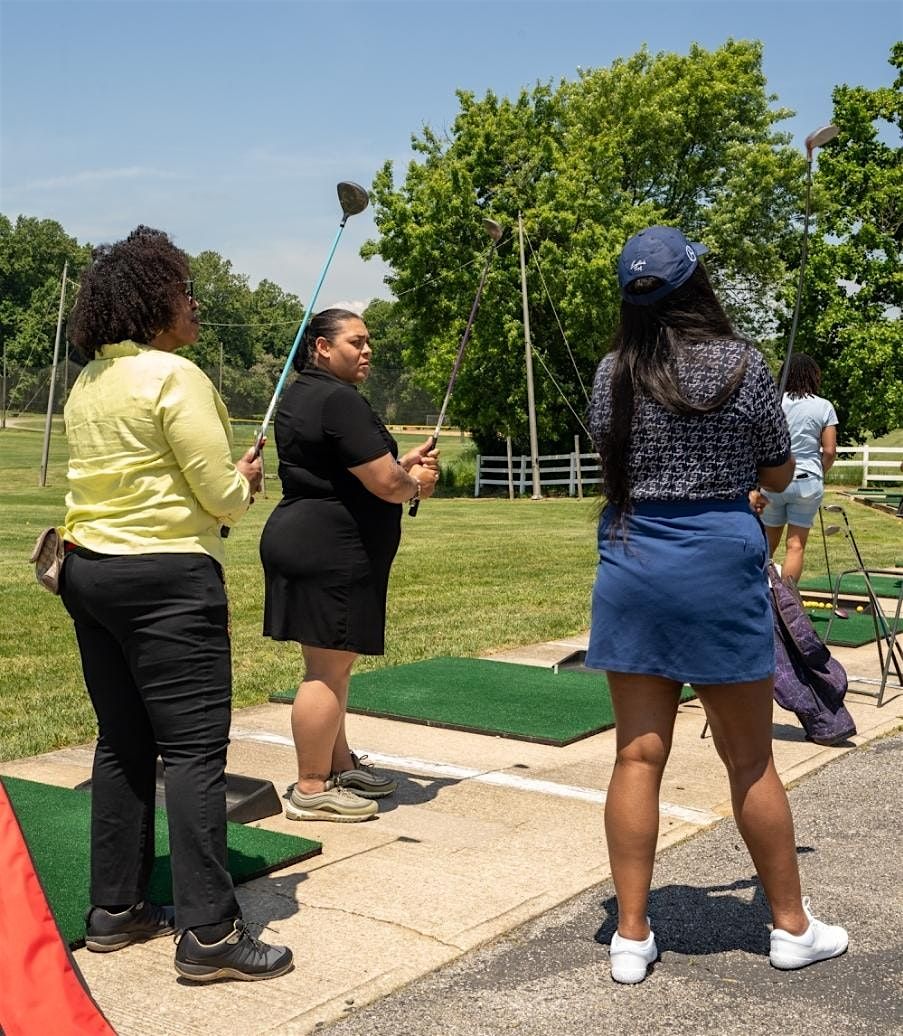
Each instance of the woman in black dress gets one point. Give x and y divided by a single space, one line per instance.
327 550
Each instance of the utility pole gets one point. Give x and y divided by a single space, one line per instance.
531 405
56 356
219 386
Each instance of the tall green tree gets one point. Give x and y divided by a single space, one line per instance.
853 293
688 140
32 254
394 388
224 298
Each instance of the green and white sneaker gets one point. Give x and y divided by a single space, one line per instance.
363 780
334 804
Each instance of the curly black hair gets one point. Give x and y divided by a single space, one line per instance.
130 291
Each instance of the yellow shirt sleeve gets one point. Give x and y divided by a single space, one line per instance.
150 462
196 426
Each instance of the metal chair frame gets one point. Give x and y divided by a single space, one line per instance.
888 637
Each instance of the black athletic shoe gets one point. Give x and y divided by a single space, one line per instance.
105 931
239 955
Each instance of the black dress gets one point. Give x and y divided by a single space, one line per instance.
328 546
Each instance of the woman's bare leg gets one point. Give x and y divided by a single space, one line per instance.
740 717
318 713
795 552
341 753
773 534
645 708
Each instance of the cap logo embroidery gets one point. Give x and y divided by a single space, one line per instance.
691 255
637 264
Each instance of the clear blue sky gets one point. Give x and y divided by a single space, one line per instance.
229 124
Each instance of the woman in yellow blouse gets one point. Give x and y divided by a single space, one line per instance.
151 481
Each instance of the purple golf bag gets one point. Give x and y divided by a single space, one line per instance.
807 680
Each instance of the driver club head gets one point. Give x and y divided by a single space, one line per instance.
352 197
820 137
493 229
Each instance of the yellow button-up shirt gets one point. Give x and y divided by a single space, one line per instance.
150 460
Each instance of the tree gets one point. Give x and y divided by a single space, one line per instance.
853 294
225 301
393 388
684 140
275 316
32 254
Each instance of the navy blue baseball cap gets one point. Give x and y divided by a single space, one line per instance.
661 252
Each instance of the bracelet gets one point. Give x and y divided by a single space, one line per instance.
416 495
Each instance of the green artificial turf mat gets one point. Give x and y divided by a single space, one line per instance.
56 823
854 631
529 703
884 586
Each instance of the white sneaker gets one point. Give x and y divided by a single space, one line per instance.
820 941
630 958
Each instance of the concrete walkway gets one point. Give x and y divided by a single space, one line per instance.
484 834
551 977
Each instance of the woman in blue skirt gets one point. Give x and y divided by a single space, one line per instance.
686 419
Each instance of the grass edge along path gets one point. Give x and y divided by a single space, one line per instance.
483 696
56 823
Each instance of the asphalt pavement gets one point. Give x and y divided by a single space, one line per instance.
551 975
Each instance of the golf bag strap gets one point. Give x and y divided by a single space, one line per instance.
42 989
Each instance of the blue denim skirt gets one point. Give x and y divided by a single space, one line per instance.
685 596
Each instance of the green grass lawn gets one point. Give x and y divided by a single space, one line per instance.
471 576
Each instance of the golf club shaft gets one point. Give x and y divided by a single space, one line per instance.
877 613
799 287
280 384
434 438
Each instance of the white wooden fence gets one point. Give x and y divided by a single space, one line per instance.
576 470
878 463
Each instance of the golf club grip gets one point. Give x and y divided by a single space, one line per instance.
414 506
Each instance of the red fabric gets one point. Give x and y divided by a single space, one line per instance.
40 990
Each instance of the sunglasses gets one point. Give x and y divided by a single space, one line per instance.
189 287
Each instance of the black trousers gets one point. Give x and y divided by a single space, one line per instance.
153 634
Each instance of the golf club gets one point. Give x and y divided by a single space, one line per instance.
354 199
841 613
877 613
818 138
494 230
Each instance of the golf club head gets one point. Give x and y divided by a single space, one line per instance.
833 508
841 613
352 197
493 229
832 530
820 137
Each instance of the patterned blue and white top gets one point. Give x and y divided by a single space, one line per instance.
712 456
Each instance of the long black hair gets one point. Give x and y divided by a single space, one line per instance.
130 291
646 345
803 377
325 324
